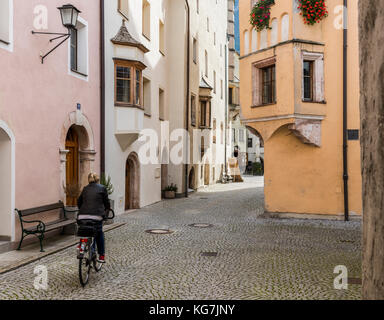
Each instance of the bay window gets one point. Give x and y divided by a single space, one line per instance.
128 83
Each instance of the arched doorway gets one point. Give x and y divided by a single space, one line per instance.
206 174
192 179
132 182
6 186
164 169
72 166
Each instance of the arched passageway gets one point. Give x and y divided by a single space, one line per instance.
6 186
132 182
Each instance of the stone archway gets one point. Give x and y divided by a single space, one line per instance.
192 179
7 183
77 125
132 182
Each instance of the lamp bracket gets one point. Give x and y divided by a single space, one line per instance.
60 35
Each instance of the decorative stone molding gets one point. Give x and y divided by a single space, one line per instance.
307 131
87 155
63 155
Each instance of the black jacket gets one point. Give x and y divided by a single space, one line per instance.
93 200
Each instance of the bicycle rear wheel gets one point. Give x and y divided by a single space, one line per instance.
84 268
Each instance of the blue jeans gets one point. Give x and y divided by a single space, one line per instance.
99 239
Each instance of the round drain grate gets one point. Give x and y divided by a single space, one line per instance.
159 231
201 225
209 254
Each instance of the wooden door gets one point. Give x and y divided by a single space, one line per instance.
128 177
72 165
206 174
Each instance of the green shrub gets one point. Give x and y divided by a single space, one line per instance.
171 187
257 169
106 182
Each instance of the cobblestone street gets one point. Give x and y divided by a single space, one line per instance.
257 258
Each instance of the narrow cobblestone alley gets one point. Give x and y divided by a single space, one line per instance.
257 258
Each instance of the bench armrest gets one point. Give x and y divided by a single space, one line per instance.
40 226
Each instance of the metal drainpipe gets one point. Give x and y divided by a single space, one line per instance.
226 111
345 111
187 97
102 89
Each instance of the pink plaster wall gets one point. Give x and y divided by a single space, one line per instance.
35 98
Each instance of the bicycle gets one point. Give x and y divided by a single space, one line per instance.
86 250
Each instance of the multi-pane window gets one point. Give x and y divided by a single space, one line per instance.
123 84
214 130
241 135
161 37
222 133
73 44
250 143
268 84
137 86
313 77
308 80
146 19
147 96
123 7
161 104
214 81
4 22
193 110
128 84
230 95
205 114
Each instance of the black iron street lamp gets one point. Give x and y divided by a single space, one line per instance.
69 15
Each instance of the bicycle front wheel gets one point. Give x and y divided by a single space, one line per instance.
84 270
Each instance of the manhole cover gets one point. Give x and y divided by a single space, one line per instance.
209 254
347 241
203 198
201 225
357 281
159 231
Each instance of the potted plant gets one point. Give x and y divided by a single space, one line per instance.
105 180
170 191
72 191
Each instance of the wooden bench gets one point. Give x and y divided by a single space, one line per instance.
40 228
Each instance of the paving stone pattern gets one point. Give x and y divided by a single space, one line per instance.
257 258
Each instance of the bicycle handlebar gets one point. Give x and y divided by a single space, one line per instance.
108 217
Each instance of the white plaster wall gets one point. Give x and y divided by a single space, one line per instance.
218 25
150 184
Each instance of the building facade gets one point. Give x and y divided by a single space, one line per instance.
197 74
50 111
292 96
136 94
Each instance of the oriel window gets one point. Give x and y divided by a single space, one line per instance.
269 84
203 113
308 80
128 84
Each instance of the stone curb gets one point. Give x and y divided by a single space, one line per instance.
40 255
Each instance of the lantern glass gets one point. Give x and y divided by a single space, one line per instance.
69 15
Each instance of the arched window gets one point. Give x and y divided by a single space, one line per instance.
254 40
285 27
274 31
246 42
263 39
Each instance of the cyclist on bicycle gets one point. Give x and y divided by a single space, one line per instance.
93 205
